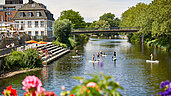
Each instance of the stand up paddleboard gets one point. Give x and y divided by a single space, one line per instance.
149 61
104 55
113 59
94 61
76 56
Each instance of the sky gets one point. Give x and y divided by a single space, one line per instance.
90 10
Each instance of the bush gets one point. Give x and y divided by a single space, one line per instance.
57 43
81 38
99 85
72 42
14 60
31 58
18 59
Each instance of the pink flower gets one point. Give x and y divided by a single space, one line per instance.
32 82
91 84
40 90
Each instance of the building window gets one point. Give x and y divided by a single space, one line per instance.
29 24
42 23
9 13
33 5
22 14
42 33
36 24
30 14
9 18
38 14
36 33
29 33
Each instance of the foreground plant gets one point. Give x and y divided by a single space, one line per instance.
33 87
167 88
9 91
99 85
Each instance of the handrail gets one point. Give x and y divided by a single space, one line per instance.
112 28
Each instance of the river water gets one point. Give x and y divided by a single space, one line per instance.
130 69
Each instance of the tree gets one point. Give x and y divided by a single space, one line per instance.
114 22
74 17
102 24
132 16
62 29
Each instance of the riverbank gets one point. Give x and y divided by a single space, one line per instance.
156 44
10 74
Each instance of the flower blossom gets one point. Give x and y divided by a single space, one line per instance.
32 82
166 85
9 91
91 84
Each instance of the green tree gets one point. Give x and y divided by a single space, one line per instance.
74 17
102 24
132 16
114 22
62 29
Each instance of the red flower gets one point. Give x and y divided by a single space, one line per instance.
10 91
49 93
72 95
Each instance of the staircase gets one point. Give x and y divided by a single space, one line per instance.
54 52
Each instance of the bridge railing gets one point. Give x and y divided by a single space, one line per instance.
112 28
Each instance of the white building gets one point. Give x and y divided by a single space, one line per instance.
36 20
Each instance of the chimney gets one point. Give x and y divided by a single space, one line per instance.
30 1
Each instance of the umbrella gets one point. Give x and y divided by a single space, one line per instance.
31 41
42 42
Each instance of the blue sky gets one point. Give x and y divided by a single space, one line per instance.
91 10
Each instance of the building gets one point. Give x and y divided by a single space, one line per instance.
8 10
36 20
13 1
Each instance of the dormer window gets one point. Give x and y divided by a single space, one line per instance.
33 5
38 14
30 14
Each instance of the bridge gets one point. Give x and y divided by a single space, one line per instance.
106 30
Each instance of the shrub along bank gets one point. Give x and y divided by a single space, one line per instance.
18 60
79 39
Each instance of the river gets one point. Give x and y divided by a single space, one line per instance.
130 69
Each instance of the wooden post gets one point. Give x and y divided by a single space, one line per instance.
142 39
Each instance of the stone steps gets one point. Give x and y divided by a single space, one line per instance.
54 52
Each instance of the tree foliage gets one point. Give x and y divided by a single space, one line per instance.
62 29
114 22
74 17
153 19
102 24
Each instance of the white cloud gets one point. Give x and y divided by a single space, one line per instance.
91 10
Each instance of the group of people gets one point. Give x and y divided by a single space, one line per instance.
2 36
102 53
45 51
10 45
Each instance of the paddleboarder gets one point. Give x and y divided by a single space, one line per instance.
98 54
114 54
93 58
151 57
76 52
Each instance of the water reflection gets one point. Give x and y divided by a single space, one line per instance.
130 68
